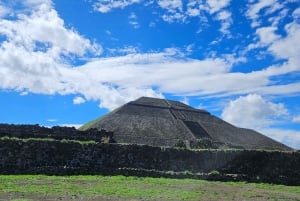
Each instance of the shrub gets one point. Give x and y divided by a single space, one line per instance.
215 172
180 144
105 139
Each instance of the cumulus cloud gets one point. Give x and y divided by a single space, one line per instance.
38 48
78 100
288 47
177 11
216 5
225 18
4 10
174 11
296 119
253 111
116 80
296 14
256 8
286 136
105 6
267 35
43 31
284 46
170 5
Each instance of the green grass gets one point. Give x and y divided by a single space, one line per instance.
94 185
121 187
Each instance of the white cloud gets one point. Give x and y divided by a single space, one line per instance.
177 11
296 14
174 10
125 50
78 100
284 89
36 48
174 17
24 93
252 111
71 125
286 136
194 8
133 20
267 35
275 20
255 112
4 10
225 18
152 24
288 47
255 10
156 69
281 47
39 46
217 5
193 12
116 80
189 48
105 6
224 15
170 5
217 8
296 119
43 31
185 100
51 120
285 47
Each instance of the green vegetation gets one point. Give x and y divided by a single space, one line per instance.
215 172
39 187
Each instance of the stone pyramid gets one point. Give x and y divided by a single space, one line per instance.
160 122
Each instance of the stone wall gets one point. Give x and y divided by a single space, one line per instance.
66 158
56 132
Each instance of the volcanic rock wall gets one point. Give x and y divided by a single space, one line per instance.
66 158
56 132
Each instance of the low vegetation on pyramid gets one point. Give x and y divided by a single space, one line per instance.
160 122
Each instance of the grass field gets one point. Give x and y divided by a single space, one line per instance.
41 187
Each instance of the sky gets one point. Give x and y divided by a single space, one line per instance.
68 62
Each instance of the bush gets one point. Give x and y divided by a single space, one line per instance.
204 143
215 172
105 139
180 144
187 172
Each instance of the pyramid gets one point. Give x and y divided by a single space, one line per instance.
161 122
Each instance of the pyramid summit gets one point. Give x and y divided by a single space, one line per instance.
161 122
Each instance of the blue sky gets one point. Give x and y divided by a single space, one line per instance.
67 62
